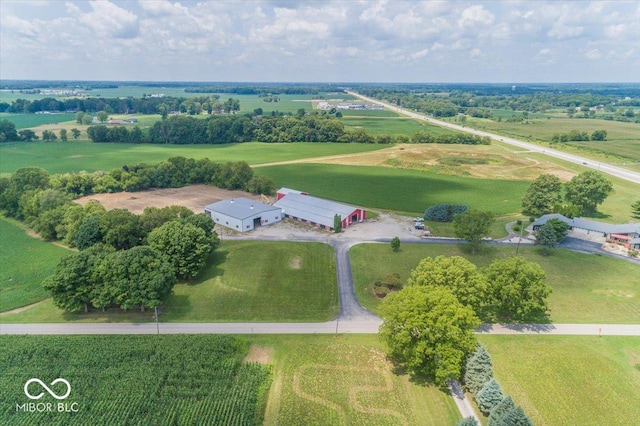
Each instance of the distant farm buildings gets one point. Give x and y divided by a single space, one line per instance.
298 205
242 214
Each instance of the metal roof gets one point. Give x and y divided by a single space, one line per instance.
592 225
285 191
313 209
240 208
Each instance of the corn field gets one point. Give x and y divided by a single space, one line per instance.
131 380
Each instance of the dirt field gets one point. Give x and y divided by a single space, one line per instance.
194 197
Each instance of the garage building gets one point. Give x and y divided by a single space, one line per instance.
316 211
242 214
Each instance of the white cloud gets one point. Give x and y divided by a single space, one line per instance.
593 54
476 16
107 19
419 54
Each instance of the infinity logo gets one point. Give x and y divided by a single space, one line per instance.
52 393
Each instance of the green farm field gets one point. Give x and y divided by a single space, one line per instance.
586 288
391 125
622 146
570 380
346 380
142 380
73 156
403 190
23 121
258 281
24 262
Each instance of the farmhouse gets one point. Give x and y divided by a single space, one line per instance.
242 214
627 234
316 211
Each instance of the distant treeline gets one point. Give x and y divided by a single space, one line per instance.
440 104
144 105
184 129
289 89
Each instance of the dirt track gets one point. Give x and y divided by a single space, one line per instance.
194 197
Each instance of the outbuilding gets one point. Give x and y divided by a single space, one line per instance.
316 211
242 214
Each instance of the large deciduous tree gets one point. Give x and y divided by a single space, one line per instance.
185 246
588 190
138 277
75 278
458 275
543 193
120 228
473 226
518 287
428 331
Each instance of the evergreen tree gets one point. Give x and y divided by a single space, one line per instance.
337 224
467 421
478 369
514 417
489 396
500 410
635 210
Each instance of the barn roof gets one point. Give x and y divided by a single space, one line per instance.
317 210
240 208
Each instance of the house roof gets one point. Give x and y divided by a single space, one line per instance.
286 191
240 208
592 225
317 210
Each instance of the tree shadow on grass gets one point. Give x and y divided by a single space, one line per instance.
596 215
212 267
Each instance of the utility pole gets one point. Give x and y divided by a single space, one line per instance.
155 316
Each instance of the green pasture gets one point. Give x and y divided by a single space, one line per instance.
346 380
74 156
24 262
403 190
391 125
570 380
252 281
260 281
23 121
586 288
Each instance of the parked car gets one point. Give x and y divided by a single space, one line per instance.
419 225
418 219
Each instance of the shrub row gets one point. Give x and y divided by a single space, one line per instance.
444 212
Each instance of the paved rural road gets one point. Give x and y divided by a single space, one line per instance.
603 167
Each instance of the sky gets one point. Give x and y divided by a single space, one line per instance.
321 41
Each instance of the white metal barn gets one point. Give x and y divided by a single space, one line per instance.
242 214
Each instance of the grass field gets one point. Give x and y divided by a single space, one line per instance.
72 156
622 146
243 281
346 380
24 263
570 380
133 380
260 281
402 190
586 288
390 125
23 121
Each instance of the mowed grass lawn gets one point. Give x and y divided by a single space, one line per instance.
260 281
24 262
570 380
253 281
586 288
398 189
74 156
346 380
22 121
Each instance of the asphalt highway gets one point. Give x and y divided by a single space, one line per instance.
619 172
